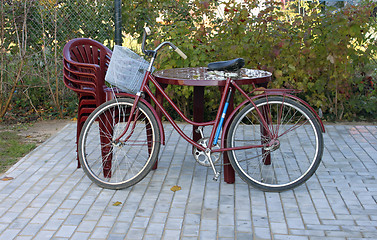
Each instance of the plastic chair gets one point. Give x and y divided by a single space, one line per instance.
85 65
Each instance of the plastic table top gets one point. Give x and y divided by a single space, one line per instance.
199 76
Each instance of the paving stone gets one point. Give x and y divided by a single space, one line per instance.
100 233
244 226
86 226
66 231
31 229
277 236
209 225
171 234
226 231
190 230
53 224
205 235
9 234
80 236
174 223
279 228
49 198
43 235
262 233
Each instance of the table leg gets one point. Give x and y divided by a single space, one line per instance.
198 110
229 176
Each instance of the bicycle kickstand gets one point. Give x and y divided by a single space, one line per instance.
217 174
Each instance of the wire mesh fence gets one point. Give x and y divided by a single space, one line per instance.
33 34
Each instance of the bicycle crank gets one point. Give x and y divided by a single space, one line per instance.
217 174
202 158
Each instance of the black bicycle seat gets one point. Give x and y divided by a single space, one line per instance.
230 65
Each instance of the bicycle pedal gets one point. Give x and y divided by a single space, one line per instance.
216 177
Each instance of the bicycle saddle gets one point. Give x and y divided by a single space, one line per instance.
230 66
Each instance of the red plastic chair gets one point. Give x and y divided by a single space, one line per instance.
85 65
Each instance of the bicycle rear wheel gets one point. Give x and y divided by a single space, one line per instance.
282 161
119 164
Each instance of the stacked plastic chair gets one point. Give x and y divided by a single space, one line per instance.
85 65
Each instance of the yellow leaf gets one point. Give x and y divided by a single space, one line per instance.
258 91
278 73
6 178
175 188
117 203
331 58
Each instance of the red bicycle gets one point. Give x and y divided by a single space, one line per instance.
274 139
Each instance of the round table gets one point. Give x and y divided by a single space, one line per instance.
199 77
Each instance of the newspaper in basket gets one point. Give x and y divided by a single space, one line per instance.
126 70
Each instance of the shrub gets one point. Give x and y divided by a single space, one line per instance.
327 54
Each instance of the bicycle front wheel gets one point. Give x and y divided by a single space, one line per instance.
284 159
111 157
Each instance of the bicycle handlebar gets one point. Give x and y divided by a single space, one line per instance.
180 53
147 31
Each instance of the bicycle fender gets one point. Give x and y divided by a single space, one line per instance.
310 108
287 93
272 93
159 122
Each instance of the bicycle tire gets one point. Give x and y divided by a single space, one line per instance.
278 165
120 164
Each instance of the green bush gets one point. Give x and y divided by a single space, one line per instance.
327 54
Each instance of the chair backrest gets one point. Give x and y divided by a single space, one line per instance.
86 60
81 83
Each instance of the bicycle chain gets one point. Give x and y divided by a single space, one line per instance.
226 164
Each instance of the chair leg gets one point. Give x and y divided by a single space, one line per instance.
78 131
106 134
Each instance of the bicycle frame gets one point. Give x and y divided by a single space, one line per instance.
229 84
217 123
264 131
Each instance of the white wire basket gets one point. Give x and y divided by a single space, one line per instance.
126 70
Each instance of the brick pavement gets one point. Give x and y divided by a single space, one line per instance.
50 199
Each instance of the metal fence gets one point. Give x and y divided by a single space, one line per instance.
61 20
33 34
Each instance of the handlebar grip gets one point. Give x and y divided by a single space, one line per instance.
147 30
181 53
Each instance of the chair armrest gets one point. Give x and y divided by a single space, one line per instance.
79 73
92 66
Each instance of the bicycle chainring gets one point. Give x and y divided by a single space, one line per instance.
201 157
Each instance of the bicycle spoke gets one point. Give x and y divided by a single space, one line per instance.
281 162
117 164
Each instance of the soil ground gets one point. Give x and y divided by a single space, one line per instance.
40 131
35 133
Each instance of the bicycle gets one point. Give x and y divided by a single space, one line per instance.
274 140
